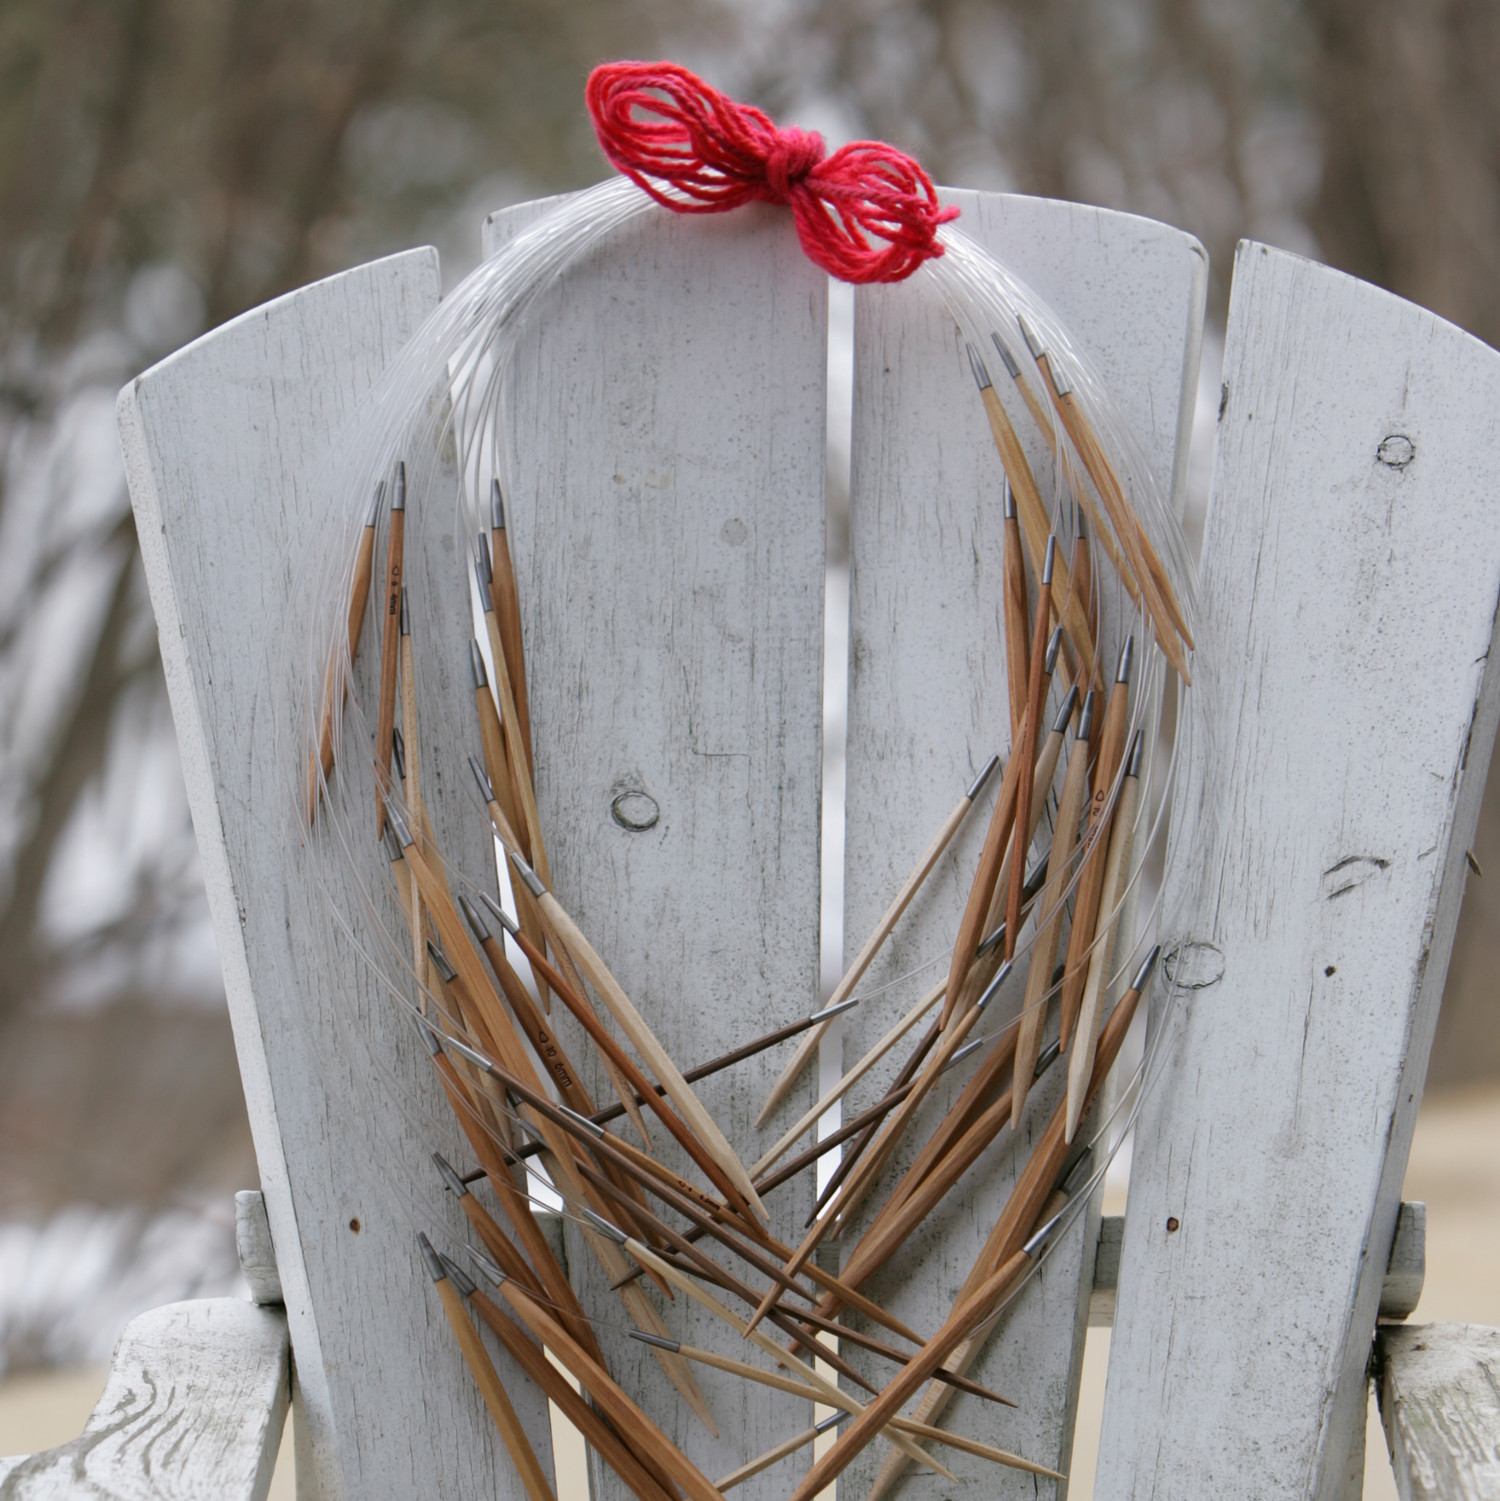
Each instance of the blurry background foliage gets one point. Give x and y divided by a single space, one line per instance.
167 164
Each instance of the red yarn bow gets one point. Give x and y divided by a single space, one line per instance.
704 154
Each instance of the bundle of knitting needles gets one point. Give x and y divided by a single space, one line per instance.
516 1007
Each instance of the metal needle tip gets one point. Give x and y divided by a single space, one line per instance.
1046 1058
430 1037
981 375
500 914
1007 502
460 1279
1054 645
602 1225
1038 1242
1078 1174
451 1181
398 824
476 923
656 1341
485 602
476 666
1006 357
497 507
529 878
434 1261
1137 749
1065 713
994 940
594 1129
964 1051
484 1264
828 1013
1050 559
473 1055
405 613
993 988
398 502
1038 351
1086 720
831 1421
398 752
485 790
376 501
440 963
486 564
1144 972
1127 656
977 785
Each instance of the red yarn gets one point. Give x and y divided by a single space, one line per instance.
706 154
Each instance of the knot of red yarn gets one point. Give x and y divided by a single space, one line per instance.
867 213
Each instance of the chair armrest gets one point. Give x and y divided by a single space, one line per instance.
1439 1390
193 1411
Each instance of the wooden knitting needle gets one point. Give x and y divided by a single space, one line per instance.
627 1080
795 1388
395 554
778 1452
1095 842
837 1091
1031 1202
876 1248
477 1358
708 1219
516 1205
862 1179
507 603
1156 592
1033 513
547 1046
406 749
1049 920
1017 616
1111 896
828 1391
760 1044
633 1024
856 971
803 1160
359 598
610 1398
635 1085
971 926
611 1446
1036 689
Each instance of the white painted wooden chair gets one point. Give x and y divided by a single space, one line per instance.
675 421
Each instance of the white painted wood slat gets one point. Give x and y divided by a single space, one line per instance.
666 514
927 707
223 443
1351 574
192 1411
1440 1400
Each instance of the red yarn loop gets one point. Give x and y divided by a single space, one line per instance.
868 213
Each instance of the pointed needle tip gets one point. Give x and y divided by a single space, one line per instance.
530 879
434 1262
1007 359
476 666
656 1341
485 790
1065 713
1050 559
1143 974
451 1181
497 507
977 366
376 501
484 1264
499 913
476 922
1127 657
462 1282
977 785
398 500
486 562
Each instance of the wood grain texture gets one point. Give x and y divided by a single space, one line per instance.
1439 1390
665 511
928 706
192 1411
222 443
1351 574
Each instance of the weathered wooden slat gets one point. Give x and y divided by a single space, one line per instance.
223 443
666 513
1350 580
927 707
1439 1390
192 1411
